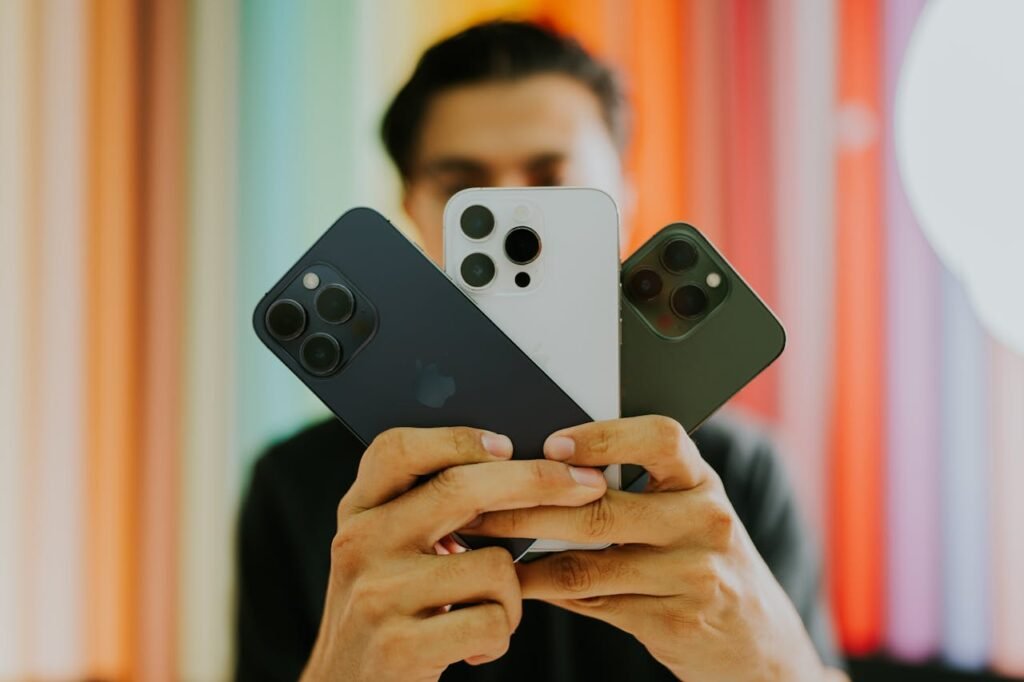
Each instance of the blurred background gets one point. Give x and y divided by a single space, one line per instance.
161 163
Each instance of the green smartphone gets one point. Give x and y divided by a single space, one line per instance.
693 332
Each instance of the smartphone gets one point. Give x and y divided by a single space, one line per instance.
693 332
543 264
385 339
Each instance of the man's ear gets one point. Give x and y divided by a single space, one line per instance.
627 213
406 199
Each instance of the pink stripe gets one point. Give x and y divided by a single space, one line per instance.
804 187
1008 510
913 610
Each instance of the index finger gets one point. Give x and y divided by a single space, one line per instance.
398 458
659 444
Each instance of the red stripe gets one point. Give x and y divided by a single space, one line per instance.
856 556
746 140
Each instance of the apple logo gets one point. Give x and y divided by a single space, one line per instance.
433 387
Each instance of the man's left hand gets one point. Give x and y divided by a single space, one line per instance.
685 578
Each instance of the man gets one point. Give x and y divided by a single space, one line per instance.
710 576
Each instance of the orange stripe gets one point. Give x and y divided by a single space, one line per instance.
704 28
746 136
581 20
164 217
112 377
857 494
648 41
658 84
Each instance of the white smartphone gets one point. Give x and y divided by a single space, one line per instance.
543 264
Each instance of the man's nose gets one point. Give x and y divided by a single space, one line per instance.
511 178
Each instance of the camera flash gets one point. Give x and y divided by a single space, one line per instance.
713 280
521 213
311 280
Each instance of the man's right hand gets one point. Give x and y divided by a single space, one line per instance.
387 615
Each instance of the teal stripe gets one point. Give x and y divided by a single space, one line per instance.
966 450
331 130
270 233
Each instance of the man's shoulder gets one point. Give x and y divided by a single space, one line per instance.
322 455
744 455
733 441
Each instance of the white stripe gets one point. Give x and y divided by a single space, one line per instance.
14 164
56 646
209 483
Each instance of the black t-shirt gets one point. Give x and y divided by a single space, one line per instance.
288 519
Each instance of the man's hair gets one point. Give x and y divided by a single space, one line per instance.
495 50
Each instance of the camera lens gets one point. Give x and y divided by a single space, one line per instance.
679 255
645 284
689 301
286 319
477 222
320 354
477 270
522 245
335 304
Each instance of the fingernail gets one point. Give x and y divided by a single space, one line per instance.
559 448
589 477
498 445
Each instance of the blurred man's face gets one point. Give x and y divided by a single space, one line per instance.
540 130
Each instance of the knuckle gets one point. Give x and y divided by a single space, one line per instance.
544 475
720 522
389 444
369 597
465 442
496 625
496 562
499 647
703 580
679 622
572 573
487 631
669 435
347 547
596 519
392 643
599 441
389 440
449 482
514 519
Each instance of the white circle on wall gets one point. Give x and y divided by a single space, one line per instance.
959 139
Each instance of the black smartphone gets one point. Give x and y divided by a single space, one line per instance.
385 339
693 331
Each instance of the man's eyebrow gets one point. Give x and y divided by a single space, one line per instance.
545 159
452 164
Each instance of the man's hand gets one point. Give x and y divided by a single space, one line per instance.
686 581
394 571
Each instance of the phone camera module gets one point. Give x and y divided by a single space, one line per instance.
477 270
286 319
477 222
335 304
522 245
679 255
689 301
320 354
645 284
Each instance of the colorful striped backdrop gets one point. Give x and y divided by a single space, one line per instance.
161 162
